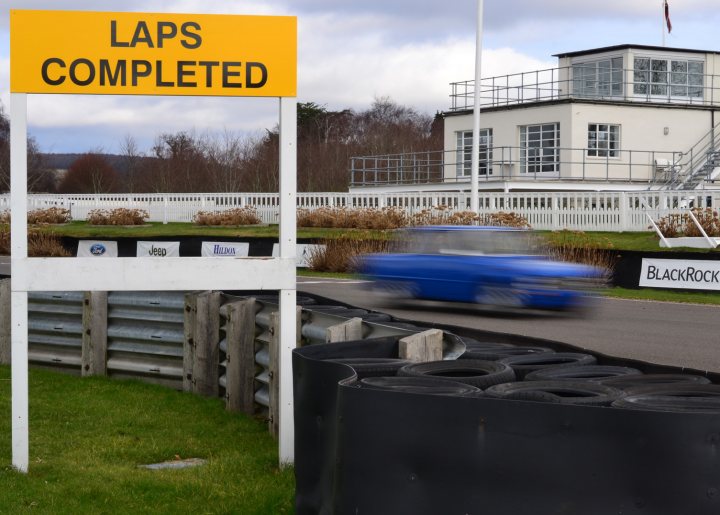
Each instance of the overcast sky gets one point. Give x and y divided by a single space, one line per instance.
352 51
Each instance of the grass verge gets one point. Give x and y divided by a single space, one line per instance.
88 436
664 295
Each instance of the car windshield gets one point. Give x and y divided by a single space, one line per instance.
476 242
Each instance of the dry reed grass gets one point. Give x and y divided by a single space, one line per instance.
341 255
40 244
678 225
119 216
50 215
237 216
577 247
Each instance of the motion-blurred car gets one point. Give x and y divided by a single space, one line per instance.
497 266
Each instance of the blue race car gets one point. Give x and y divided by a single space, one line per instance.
497 266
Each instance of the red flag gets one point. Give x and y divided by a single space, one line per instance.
667 17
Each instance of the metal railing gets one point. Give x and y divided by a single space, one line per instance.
506 163
553 84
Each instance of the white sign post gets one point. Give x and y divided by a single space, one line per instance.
273 38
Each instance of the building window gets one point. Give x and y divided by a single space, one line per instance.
668 77
603 140
464 153
599 78
540 148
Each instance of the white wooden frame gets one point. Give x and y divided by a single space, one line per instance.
128 274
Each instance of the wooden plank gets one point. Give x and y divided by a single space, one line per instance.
94 337
207 348
422 347
5 324
240 370
189 317
345 331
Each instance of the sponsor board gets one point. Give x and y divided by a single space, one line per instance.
676 273
124 53
94 248
158 249
304 251
224 249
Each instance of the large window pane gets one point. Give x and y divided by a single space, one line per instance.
540 151
464 153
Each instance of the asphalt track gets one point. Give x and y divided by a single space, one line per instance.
668 333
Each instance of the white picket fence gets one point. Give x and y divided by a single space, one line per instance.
586 211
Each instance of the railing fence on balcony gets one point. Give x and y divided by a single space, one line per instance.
587 211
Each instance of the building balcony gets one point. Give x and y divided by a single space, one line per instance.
645 169
586 83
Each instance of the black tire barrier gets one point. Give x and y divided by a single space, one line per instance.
682 398
523 365
373 367
592 373
579 393
478 373
425 385
632 381
498 352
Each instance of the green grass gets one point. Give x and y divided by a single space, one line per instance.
88 436
663 295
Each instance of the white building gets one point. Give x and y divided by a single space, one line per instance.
621 118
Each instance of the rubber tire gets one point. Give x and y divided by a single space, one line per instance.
678 398
590 373
373 367
580 393
478 373
523 365
426 385
628 382
498 353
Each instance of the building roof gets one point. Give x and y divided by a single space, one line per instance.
640 47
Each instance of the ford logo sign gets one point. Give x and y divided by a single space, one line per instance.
98 249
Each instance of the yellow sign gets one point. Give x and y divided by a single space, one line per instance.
152 54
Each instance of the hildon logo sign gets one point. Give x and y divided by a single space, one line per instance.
675 273
152 54
224 249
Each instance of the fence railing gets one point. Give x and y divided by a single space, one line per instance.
583 82
508 163
586 211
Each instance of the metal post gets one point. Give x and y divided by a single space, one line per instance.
288 240
476 111
19 299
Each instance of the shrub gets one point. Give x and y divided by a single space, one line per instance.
40 244
4 240
677 225
45 244
119 216
5 217
341 255
50 215
237 216
577 247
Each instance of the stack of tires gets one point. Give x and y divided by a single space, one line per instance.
540 374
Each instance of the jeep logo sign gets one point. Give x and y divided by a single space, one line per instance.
158 249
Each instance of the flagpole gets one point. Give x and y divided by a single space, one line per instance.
662 21
475 161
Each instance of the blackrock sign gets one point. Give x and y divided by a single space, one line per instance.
152 54
675 273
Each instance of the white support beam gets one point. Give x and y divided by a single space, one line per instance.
18 253
288 295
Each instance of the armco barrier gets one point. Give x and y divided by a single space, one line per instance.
360 450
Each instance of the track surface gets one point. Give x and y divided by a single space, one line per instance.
685 335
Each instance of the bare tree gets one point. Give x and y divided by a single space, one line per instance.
132 159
